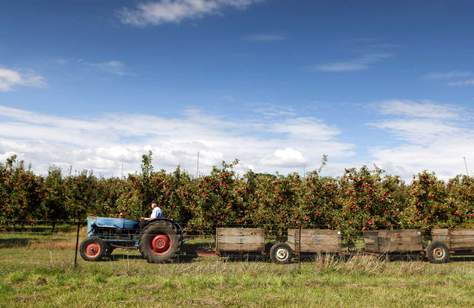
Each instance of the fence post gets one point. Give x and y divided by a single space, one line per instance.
77 242
299 248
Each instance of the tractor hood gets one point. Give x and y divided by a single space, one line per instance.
110 222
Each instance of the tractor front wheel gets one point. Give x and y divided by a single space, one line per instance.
93 249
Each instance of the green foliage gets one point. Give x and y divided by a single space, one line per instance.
278 201
320 203
217 199
54 196
21 192
460 200
370 200
361 199
428 205
81 195
145 187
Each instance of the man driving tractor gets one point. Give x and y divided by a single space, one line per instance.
155 212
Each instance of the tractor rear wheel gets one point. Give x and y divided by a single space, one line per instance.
159 242
93 249
142 253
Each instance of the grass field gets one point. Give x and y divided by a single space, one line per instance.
36 270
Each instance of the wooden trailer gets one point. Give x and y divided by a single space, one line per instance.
240 240
386 242
315 241
312 241
446 242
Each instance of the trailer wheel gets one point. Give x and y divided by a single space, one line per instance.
93 249
437 252
281 253
159 242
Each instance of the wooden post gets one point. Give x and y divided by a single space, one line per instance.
77 242
299 248
54 225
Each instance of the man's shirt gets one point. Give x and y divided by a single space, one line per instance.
156 213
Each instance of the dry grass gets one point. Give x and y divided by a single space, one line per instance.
359 264
53 245
369 265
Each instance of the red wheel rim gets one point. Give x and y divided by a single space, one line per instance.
92 250
161 243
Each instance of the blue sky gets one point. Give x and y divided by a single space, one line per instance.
94 84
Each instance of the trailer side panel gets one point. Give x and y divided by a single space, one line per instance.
388 241
240 240
315 240
461 239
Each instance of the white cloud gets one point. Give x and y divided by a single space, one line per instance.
453 78
419 135
432 137
418 109
287 157
175 11
112 67
265 37
274 111
447 75
356 64
9 79
305 128
462 83
419 131
107 141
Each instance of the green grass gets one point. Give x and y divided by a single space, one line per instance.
39 272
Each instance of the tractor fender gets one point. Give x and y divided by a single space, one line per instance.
179 229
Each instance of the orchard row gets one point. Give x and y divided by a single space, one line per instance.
360 199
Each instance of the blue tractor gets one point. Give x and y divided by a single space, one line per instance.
158 240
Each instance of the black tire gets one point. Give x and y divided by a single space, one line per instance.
93 249
142 253
108 251
161 232
268 246
281 253
437 252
